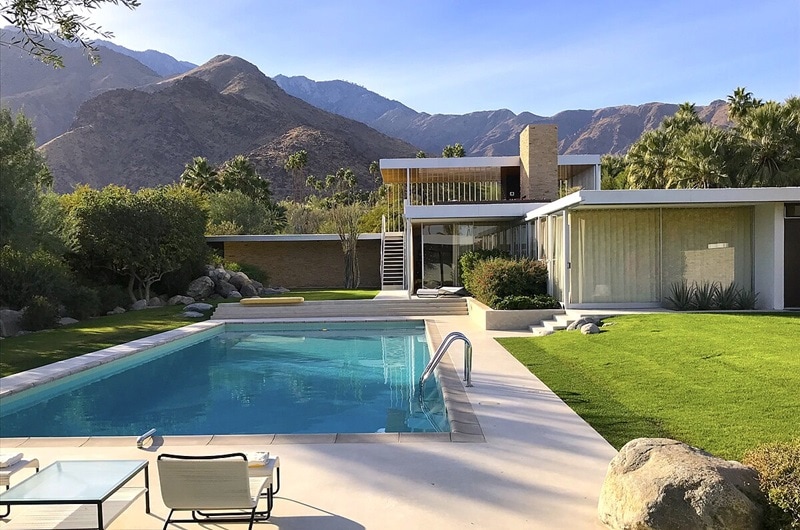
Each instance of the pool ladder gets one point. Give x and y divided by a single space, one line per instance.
448 340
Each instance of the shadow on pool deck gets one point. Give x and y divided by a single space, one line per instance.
541 465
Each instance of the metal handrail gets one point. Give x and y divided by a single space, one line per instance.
440 351
143 438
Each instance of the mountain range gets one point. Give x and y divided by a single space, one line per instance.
138 117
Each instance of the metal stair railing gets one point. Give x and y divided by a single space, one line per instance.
440 351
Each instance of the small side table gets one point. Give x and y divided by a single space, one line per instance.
6 472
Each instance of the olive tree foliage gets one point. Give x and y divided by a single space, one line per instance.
141 235
24 176
346 205
234 212
40 21
762 148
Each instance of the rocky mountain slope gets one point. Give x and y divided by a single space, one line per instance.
225 107
159 62
50 97
490 133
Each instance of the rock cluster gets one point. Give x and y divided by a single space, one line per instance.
663 484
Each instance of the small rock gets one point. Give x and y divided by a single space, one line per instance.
234 295
156 302
66 321
116 311
192 314
248 290
590 329
138 305
179 299
199 307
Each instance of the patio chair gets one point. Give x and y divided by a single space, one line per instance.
9 464
215 488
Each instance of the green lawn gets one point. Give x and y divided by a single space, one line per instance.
18 354
722 382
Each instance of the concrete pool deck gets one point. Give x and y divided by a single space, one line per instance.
541 465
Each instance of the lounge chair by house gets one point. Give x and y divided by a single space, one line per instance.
215 488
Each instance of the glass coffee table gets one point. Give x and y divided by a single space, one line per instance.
71 486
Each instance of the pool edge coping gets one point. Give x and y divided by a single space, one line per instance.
464 425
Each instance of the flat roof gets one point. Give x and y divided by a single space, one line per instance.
284 237
680 197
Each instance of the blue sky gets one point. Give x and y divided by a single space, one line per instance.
454 57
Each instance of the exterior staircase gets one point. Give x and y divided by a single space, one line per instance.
392 261
343 309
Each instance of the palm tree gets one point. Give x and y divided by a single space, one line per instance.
239 173
200 175
770 133
649 158
703 159
295 165
740 103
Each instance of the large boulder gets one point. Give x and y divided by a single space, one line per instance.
248 290
663 484
10 322
590 329
224 289
138 305
201 288
238 279
156 302
198 307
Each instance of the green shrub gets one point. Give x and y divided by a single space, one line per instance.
540 301
111 296
254 272
778 467
82 302
40 313
496 278
468 260
24 275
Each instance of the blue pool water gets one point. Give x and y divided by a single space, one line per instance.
248 379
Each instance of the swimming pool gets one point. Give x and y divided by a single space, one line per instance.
357 377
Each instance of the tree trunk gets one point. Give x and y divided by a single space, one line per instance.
131 280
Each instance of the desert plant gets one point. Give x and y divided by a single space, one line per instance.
40 313
778 467
728 297
705 295
681 296
540 301
747 299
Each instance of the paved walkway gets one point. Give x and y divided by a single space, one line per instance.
541 466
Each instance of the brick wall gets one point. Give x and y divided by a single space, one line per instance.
538 152
299 264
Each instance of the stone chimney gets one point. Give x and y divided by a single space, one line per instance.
538 153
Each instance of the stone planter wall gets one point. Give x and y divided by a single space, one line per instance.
508 320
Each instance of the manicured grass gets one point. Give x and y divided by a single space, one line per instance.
25 352
722 382
334 294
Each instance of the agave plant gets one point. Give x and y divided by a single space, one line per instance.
747 299
706 295
728 297
681 296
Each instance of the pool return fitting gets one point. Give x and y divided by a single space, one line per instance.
440 351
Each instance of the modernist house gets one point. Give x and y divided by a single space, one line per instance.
603 248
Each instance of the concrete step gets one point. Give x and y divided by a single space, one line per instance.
346 308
